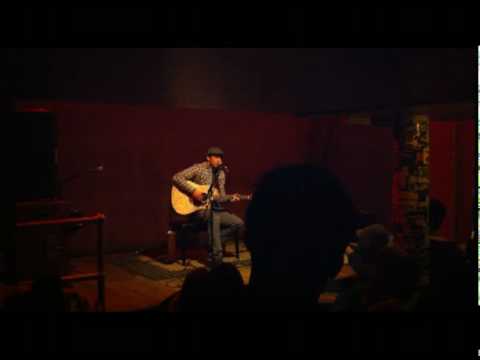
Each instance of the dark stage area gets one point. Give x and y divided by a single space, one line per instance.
181 180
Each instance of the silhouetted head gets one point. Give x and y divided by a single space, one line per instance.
298 225
194 291
227 288
220 289
226 280
396 274
371 241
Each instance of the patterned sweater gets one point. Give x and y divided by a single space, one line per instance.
202 174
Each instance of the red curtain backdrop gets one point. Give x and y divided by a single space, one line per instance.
363 158
452 164
142 146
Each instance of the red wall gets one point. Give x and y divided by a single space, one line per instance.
452 163
466 133
363 158
141 147
442 167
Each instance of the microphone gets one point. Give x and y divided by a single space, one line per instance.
96 169
225 168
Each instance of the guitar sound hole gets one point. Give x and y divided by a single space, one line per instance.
199 203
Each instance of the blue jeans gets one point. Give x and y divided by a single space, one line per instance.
225 226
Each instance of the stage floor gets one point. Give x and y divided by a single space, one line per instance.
139 281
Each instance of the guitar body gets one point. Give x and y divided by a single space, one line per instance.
184 204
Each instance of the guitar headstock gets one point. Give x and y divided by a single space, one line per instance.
238 197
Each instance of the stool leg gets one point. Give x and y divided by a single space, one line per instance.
172 245
182 247
237 241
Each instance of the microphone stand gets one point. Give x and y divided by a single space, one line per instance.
210 209
69 179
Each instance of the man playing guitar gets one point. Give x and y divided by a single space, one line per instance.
224 223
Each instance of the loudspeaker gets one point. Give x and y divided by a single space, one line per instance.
35 151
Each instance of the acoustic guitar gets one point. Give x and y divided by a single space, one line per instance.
184 204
